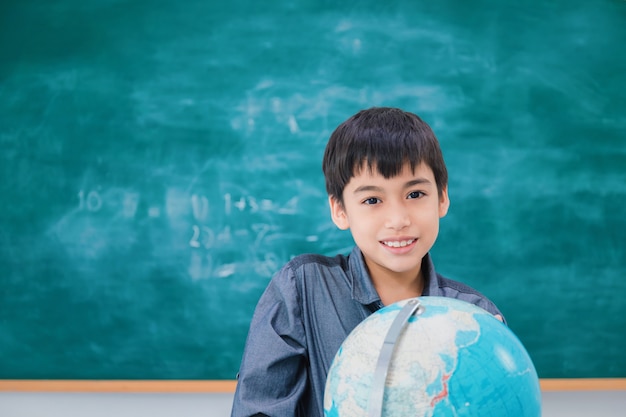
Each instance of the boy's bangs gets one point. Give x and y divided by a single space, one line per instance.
386 157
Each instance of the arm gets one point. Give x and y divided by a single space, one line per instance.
273 375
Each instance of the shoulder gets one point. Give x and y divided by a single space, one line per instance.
452 285
304 286
309 269
463 292
315 261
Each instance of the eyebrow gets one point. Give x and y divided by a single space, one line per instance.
412 183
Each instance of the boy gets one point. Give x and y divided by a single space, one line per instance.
386 182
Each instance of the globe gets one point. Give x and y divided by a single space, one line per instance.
432 356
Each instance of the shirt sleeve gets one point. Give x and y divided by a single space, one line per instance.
273 373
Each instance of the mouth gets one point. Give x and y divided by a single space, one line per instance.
398 243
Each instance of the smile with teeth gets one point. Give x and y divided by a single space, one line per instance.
398 243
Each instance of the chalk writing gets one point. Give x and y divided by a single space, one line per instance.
254 205
236 235
90 201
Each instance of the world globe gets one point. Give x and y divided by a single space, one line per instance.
432 356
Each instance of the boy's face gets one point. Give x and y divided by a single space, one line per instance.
393 221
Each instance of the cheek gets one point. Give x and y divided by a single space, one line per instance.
364 228
428 220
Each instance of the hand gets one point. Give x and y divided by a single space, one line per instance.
499 317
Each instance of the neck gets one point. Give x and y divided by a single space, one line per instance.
392 287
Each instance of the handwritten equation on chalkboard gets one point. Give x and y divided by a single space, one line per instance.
219 236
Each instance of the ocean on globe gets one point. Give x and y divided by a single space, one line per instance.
451 358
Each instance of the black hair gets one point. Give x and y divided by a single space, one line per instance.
385 139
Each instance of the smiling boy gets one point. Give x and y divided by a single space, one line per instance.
388 184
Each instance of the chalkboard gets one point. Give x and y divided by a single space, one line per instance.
161 160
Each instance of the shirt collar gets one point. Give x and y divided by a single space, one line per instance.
431 282
363 289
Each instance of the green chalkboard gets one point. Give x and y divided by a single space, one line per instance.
160 160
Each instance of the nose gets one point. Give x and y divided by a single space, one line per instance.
397 217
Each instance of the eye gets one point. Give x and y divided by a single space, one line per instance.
415 194
371 201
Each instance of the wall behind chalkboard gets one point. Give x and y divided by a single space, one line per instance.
161 160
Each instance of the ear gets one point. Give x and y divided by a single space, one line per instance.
444 202
338 214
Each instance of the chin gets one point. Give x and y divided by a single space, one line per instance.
403 269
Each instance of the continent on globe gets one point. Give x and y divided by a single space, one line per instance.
440 357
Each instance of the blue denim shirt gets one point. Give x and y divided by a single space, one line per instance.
308 309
